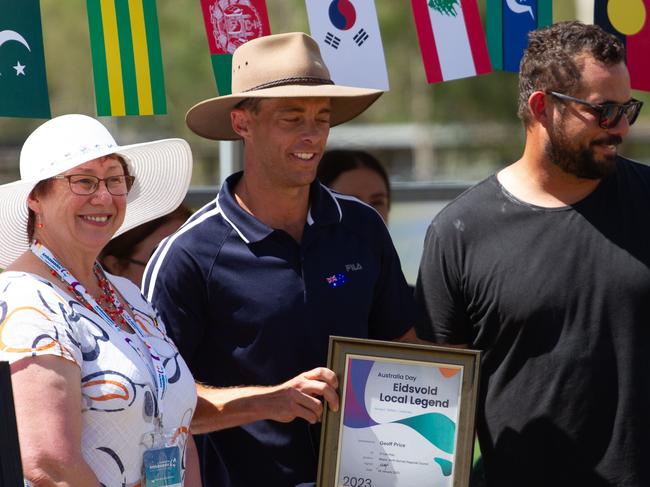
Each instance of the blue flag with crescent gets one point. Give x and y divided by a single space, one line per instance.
508 25
23 82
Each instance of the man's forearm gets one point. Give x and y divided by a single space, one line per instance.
299 397
221 408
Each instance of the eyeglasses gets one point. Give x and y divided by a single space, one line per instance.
609 114
85 184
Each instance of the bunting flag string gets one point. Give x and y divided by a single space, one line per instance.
23 80
229 24
127 58
629 20
451 38
348 34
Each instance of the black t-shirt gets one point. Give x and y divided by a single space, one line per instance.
559 302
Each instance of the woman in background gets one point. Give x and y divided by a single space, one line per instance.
358 174
127 254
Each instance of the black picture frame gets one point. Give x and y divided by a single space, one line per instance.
10 466
433 360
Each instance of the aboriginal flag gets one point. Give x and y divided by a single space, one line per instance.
630 22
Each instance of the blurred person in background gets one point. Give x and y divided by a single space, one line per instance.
102 395
359 174
127 254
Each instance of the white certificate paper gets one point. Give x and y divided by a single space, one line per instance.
399 423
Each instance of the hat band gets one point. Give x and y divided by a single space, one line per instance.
298 80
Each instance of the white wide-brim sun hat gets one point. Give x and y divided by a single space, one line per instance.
162 171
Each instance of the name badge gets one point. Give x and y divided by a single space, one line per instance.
162 467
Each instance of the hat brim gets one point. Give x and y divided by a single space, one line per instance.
162 171
211 118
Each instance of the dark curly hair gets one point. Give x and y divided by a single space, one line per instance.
554 59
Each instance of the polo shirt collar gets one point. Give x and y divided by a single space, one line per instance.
323 210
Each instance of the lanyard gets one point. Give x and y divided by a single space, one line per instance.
158 372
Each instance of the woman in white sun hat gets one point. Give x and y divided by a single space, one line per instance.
102 396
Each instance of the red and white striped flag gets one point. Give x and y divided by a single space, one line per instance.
347 32
451 39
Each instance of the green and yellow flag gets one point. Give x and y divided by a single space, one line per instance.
127 60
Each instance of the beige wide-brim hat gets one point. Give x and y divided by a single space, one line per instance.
162 171
277 66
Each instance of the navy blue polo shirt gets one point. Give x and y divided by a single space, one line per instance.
248 305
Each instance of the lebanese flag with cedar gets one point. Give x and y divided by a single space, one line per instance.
451 38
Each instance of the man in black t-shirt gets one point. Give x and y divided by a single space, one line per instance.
545 266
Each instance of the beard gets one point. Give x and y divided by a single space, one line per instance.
580 160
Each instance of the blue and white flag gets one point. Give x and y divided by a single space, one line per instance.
347 32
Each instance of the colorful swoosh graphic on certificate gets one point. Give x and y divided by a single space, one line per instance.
436 428
356 414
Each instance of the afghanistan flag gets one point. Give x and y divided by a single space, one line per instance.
23 83
508 25
630 22
228 24
127 61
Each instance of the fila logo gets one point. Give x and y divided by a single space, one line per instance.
353 267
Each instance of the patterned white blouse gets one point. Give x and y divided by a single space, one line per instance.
117 387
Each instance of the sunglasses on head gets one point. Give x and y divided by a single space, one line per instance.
609 114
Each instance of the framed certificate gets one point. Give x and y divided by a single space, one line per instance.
406 415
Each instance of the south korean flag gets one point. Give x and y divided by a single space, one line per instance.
347 32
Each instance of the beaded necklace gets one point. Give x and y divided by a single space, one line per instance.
107 299
113 313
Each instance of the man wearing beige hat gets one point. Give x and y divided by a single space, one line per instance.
258 279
